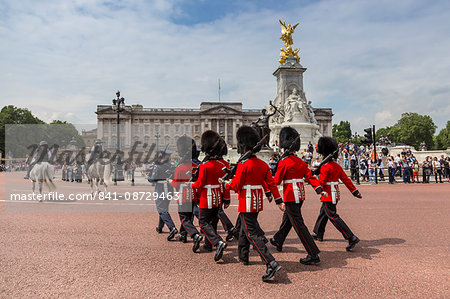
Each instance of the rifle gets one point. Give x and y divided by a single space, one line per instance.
194 174
327 159
285 154
229 173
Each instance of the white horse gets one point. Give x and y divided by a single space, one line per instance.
43 172
101 174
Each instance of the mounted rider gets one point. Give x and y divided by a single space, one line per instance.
96 153
38 155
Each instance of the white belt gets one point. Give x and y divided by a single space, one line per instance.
294 187
248 196
209 195
333 191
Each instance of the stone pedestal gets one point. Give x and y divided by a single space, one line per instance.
308 132
291 102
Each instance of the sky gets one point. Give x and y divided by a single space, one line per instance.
370 61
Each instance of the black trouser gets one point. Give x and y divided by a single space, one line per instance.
250 234
391 173
438 172
353 172
292 216
226 222
238 227
328 211
186 219
208 219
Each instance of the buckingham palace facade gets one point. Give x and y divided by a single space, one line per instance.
163 126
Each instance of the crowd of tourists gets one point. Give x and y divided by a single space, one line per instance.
366 166
403 167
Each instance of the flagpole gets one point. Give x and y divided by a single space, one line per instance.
219 90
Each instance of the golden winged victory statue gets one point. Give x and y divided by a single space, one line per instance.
286 36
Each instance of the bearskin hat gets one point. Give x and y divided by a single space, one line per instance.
287 137
211 143
186 145
223 148
247 138
326 146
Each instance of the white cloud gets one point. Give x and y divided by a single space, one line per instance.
384 118
369 61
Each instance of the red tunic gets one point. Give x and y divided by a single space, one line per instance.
180 179
208 185
291 172
252 177
330 174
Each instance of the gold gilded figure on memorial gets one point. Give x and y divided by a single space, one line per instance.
286 36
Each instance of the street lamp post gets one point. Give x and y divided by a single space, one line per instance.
118 106
355 138
157 139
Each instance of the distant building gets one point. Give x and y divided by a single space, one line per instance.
89 137
163 126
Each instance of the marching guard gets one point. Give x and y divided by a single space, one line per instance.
292 172
210 192
232 231
187 150
159 177
252 178
330 174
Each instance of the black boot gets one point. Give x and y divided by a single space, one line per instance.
172 233
316 237
352 242
231 234
310 259
197 239
159 230
277 245
183 237
219 251
272 268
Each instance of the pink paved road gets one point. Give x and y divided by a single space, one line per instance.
404 252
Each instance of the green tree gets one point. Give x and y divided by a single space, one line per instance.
342 131
413 129
442 140
62 132
386 132
14 115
